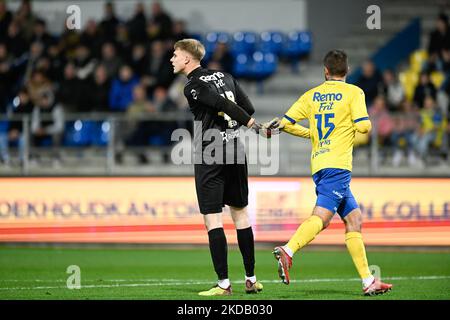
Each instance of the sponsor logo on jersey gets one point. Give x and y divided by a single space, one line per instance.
212 77
318 97
194 94
219 83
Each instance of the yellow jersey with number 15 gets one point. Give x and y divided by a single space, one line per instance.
335 110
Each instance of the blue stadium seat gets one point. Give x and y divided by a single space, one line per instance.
156 140
263 65
305 42
210 41
241 68
298 43
4 125
78 133
100 133
271 42
243 43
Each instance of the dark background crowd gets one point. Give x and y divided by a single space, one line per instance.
123 67
109 66
411 128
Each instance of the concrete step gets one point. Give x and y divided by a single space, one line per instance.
271 104
409 8
370 41
287 83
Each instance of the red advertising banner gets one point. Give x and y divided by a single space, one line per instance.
396 211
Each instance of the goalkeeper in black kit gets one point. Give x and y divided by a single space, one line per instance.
220 107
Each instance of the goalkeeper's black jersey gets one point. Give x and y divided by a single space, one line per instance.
218 103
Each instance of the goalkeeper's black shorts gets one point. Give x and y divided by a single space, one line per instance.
218 185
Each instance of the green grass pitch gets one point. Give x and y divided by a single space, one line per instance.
40 273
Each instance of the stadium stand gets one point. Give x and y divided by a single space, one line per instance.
91 75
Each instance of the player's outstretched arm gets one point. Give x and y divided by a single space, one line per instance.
295 129
363 126
277 125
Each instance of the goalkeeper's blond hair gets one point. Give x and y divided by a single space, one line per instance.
194 47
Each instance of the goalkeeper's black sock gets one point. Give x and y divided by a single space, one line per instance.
247 247
219 252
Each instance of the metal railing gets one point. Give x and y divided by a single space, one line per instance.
115 121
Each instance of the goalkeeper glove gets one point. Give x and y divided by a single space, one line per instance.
271 128
266 130
275 123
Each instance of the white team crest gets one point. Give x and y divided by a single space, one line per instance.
194 94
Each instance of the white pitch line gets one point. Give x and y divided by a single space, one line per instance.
183 282
93 280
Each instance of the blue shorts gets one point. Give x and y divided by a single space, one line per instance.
333 191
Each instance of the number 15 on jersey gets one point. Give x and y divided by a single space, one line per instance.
324 120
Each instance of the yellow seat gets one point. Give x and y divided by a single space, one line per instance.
409 80
437 143
437 78
417 59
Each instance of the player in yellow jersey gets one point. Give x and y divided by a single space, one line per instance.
335 110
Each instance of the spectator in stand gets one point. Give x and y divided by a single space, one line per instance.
221 58
15 40
393 90
162 22
405 125
446 65
137 25
69 42
121 93
163 130
91 38
139 60
431 126
439 41
97 97
57 62
110 59
40 34
36 52
382 120
5 20
20 106
26 19
162 102
44 64
179 30
142 133
123 40
47 124
370 81
38 85
134 131
70 91
6 75
152 31
445 89
176 93
84 62
160 70
108 25
424 88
